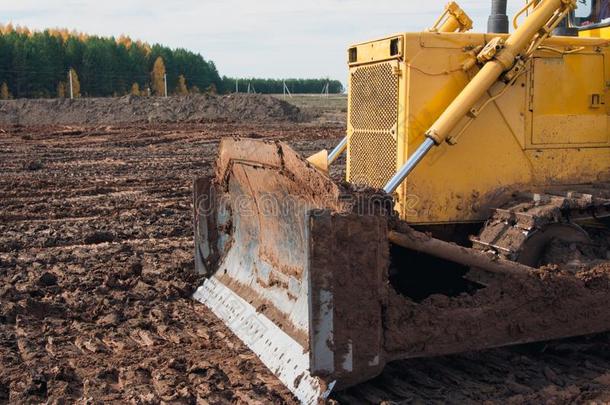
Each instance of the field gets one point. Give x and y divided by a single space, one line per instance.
331 109
96 275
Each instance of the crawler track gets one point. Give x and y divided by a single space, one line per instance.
517 230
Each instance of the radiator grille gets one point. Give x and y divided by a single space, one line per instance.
373 115
372 158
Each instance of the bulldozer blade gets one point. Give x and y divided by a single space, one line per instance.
281 251
318 278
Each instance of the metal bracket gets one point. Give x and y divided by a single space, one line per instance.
490 50
597 100
515 71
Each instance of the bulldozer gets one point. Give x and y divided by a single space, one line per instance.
469 157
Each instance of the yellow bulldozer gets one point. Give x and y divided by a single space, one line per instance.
470 158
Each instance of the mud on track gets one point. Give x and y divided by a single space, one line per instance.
95 259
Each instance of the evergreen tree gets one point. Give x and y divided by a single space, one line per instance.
158 77
32 63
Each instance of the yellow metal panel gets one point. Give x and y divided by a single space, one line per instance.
512 107
375 51
452 180
494 156
569 95
450 40
596 33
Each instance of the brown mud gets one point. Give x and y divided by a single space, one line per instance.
96 255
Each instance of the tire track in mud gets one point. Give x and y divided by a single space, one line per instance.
95 261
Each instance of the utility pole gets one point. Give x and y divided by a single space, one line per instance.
165 83
237 85
71 87
325 90
286 90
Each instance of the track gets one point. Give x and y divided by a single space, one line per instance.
521 229
95 258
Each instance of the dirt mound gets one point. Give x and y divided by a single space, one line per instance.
130 109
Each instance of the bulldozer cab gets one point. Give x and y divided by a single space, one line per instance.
592 14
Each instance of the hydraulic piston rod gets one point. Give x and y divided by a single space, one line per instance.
501 57
337 151
408 167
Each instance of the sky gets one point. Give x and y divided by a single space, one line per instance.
246 38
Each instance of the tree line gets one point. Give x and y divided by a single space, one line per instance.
58 62
36 64
276 86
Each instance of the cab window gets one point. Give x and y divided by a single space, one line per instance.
591 12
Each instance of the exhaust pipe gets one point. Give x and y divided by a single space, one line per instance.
498 19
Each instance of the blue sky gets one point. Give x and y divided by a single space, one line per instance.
265 38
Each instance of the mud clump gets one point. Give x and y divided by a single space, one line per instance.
131 109
99 237
33 165
4 391
47 279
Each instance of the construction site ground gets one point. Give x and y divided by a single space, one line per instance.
96 260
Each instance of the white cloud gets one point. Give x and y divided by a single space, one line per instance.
269 38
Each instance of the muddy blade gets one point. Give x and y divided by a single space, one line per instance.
298 269
281 263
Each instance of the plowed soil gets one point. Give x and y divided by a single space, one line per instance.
95 281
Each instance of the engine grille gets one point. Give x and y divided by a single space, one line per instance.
373 115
